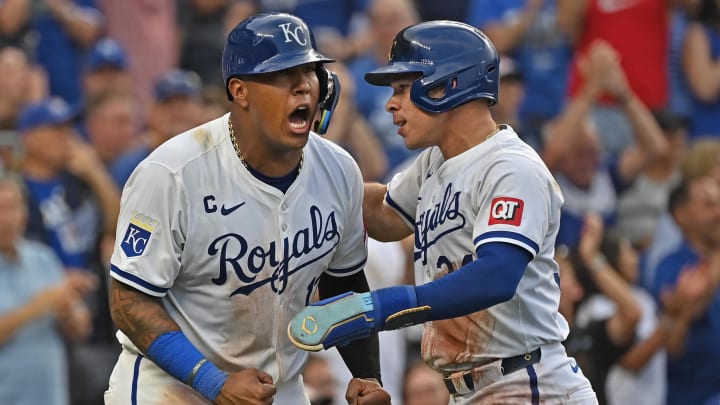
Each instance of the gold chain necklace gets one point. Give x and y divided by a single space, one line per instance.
242 158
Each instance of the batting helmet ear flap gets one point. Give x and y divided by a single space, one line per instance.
329 96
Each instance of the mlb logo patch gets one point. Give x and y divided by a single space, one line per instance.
506 210
138 234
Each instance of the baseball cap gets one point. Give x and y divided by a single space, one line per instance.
107 52
48 112
177 82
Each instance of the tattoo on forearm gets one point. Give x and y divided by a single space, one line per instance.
141 317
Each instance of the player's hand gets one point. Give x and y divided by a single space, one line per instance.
250 386
333 321
366 392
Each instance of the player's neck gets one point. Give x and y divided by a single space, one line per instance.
468 127
253 153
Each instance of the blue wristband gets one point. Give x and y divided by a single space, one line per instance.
391 300
173 352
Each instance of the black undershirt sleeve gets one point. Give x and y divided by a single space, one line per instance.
361 356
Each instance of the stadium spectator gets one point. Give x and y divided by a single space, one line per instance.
57 33
572 147
148 31
40 306
701 62
686 285
526 30
599 336
106 70
638 32
21 82
177 107
424 386
641 205
387 18
113 124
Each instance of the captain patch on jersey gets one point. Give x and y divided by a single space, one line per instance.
138 234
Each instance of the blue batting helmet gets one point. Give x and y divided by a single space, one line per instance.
268 42
458 57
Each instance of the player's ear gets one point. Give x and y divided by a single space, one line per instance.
238 90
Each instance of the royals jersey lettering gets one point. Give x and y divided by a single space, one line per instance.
230 254
497 191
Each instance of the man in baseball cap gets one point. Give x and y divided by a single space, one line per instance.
177 83
51 112
107 54
106 69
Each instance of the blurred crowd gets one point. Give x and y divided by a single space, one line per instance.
621 98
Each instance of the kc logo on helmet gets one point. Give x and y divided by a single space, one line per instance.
297 34
506 210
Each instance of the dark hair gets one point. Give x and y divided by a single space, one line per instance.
670 121
679 195
708 12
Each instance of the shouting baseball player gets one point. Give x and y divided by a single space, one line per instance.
485 211
228 229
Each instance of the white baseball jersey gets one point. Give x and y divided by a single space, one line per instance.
233 258
498 191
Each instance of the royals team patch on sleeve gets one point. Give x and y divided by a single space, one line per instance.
506 210
138 234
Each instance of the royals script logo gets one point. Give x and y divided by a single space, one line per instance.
296 33
438 221
307 246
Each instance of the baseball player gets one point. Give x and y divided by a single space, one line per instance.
228 229
485 211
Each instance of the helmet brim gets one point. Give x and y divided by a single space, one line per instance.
384 75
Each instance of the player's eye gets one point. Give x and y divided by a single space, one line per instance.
400 88
309 68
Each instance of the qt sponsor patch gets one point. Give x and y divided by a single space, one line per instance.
506 210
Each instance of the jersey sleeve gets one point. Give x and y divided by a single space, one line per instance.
149 237
517 199
404 187
351 254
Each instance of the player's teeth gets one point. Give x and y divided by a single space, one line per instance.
298 125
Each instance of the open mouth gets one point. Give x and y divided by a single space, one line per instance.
300 117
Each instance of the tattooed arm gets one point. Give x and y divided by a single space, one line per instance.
144 320
139 316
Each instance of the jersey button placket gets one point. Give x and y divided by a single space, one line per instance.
280 329
283 211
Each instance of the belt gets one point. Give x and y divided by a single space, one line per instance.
462 383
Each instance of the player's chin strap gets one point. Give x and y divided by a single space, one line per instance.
341 319
329 96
